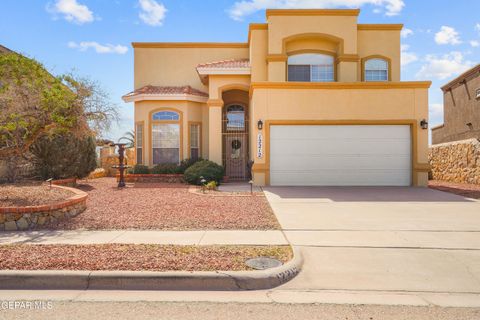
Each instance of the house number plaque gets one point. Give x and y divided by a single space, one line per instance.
259 145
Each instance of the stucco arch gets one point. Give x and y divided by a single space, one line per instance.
301 42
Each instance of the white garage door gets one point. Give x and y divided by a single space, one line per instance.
340 155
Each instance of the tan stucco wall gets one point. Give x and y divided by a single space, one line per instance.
177 66
281 27
349 105
381 42
190 111
258 54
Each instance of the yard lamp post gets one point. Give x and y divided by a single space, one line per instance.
203 181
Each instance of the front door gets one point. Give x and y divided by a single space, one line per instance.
235 142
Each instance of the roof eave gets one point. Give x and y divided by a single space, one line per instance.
164 97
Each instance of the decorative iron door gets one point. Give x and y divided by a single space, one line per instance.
235 142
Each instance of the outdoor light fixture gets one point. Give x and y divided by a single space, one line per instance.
424 124
260 124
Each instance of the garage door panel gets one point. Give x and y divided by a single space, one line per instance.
344 132
340 155
317 162
338 178
351 146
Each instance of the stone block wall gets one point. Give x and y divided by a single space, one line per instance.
457 161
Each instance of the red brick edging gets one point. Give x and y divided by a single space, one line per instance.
65 182
25 218
151 177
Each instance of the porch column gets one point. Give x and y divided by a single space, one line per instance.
215 130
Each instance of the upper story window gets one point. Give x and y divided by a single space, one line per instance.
166 116
376 70
311 67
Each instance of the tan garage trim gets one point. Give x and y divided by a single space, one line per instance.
416 167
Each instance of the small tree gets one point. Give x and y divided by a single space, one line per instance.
64 156
129 137
33 103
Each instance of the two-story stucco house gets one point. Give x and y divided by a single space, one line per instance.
313 98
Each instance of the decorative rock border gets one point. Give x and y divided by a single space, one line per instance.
26 218
152 280
154 178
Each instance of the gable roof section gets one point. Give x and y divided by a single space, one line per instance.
224 67
166 93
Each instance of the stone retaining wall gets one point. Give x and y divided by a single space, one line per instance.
457 161
154 178
27 218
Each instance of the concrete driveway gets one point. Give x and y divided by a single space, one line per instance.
402 243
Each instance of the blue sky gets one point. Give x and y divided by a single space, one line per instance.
92 37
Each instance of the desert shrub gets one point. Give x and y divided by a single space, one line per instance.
187 163
64 156
165 168
212 186
139 169
209 170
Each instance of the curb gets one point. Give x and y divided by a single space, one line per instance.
151 280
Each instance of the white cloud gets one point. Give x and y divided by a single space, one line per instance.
152 12
445 66
99 48
405 33
243 8
71 11
477 27
447 35
435 113
407 57
475 43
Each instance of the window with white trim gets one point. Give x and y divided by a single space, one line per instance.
166 137
311 67
376 70
139 142
195 141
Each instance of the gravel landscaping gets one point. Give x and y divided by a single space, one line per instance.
21 195
166 207
462 189
135 257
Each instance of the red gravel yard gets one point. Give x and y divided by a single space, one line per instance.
22 195
462 189
135 257
166 207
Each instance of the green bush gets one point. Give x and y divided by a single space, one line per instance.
187 163
209 170
64 156
139 169
165 168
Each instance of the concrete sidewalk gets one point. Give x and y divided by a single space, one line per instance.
208 237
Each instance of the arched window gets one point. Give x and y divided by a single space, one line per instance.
311 67
166 115
166 133
376 70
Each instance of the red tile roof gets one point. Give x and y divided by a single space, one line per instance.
160 90
232 63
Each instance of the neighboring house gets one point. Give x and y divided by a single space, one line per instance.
461 109
313 98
